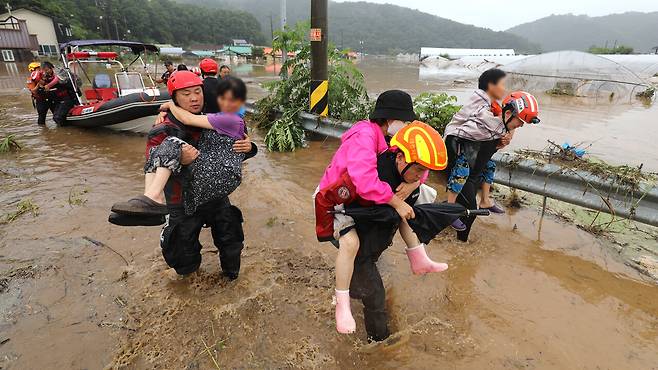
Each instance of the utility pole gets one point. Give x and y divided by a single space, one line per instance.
319 67
271 28
284 52
342 45
116 29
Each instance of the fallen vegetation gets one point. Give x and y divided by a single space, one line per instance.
568 158
77 196
23 272
9 144
25 206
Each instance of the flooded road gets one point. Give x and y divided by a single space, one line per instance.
78 292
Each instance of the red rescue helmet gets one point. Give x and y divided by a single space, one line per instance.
36 75
182 80
522 105
209 66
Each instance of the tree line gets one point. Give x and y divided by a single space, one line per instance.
155 21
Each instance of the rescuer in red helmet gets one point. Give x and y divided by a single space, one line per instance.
180 237
476 132
209 69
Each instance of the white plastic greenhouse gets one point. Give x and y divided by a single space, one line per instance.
576 73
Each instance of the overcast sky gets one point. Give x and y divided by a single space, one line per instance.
501 15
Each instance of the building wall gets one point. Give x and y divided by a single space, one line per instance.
13 34
39 25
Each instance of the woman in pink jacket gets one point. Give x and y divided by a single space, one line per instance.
357 155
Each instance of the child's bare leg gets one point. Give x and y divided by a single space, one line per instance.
148 179
349 246
418 259
155 184
485 196
452 197
408 235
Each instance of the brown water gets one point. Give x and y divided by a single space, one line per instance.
508 301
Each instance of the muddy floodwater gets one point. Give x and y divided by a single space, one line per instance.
79 293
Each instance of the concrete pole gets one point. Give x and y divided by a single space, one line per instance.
319 64
284 21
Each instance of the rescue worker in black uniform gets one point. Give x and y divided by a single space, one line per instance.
179 240
209 69
59 91
169 66
40 99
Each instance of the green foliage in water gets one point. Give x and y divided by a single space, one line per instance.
285 133
348 98
26 205
621 49
436 109
9 144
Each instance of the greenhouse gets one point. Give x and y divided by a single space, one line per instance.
575 73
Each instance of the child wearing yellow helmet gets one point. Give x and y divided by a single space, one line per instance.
415 149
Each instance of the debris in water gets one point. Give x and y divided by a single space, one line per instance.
514 200
26 205
77 196
9 144
271 221
101 244
210 353
23 272
568 158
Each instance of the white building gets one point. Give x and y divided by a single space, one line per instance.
49 32
172 51
454 53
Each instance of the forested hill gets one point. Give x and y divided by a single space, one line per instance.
580 32
160 21
383 28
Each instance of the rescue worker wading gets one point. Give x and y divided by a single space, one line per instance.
58 91
40 98
415 149
179 240
476 133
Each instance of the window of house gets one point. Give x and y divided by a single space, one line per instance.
8 55
47 50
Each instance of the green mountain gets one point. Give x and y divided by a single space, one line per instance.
161 21
383 28
580 32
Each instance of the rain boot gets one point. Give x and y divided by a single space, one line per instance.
345 323
421 263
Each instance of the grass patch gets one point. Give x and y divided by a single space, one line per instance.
25 206
271 221
9 144
77 196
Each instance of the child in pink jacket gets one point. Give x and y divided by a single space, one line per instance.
357 155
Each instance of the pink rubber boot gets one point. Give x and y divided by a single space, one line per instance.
345 323
421 263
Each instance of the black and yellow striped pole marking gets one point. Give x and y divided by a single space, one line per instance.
319 67
320 97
